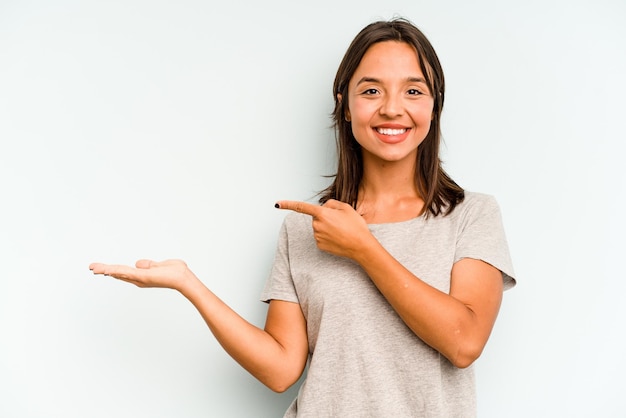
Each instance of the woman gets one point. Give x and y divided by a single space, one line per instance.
391 287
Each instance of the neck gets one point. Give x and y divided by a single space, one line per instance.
388 193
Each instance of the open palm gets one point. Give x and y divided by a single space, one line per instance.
171 274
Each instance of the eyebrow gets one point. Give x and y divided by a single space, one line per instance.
376 80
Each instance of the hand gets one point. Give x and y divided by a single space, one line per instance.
338 229
173 274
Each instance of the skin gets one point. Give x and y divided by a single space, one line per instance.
389 91
386 92
276 355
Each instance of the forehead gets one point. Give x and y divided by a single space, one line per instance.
390 57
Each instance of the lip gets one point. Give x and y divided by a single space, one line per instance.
391 139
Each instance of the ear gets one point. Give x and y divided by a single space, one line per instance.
347 116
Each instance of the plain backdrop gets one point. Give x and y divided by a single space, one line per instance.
167 129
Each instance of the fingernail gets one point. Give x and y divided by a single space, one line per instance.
276 205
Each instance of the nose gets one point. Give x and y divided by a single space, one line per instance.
391 106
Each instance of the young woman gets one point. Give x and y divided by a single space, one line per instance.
389 288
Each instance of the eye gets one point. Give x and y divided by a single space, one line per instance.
370 92
414 92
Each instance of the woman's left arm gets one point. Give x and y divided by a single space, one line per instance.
457 324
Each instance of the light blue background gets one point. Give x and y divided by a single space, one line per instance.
158 129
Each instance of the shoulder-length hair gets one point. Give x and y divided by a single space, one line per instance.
439 192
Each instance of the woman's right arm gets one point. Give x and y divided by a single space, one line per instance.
276 355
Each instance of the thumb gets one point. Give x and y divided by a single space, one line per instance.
336 204
145 264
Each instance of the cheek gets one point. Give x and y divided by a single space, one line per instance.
423 114
357 114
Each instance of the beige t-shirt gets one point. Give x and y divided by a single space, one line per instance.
363 360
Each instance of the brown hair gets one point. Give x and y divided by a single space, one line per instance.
439 192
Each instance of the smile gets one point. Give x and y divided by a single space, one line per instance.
391 132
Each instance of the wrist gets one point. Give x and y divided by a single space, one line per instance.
188 284
366 250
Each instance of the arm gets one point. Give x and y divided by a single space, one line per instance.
275 355
457 324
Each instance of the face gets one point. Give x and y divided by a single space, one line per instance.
390 106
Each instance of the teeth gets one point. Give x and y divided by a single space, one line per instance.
386 131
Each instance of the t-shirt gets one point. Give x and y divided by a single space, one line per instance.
363 359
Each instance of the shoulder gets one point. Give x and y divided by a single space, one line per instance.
475 207
297 224
296 220
475 202
481 234
476 198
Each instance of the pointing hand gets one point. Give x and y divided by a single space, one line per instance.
338 229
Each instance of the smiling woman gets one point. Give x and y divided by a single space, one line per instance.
390 105
390 288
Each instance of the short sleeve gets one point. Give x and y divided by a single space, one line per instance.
280 284
482 237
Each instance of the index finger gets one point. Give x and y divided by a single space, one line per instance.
302 207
